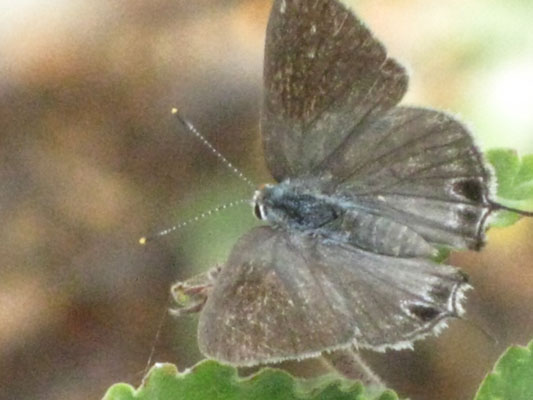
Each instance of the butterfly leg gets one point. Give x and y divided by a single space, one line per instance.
349 364
190 295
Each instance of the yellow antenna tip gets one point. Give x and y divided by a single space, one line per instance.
142 241
174 110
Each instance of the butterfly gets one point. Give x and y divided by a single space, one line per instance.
367 193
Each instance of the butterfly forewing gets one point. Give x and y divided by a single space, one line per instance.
284 296
325 75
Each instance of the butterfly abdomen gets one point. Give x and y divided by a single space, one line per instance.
383 235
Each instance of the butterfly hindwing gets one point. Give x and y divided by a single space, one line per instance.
283 296
420 168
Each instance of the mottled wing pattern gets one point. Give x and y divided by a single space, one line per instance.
420 168
325 75
284 296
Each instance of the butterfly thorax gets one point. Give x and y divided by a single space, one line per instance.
297 206
292 207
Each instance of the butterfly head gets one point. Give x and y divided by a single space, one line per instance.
276 204
260 207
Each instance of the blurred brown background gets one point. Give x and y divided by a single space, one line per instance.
91 160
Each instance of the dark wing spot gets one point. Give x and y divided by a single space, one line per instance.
425 313
471 189
469 216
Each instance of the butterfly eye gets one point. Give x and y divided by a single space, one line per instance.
259 211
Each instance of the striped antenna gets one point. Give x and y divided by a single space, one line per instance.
197 218
195 132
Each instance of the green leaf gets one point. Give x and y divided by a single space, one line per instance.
512 377
209 380
515 183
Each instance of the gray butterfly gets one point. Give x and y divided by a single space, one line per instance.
368 192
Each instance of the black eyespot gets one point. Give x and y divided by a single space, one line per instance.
423 312
469 215
471 189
